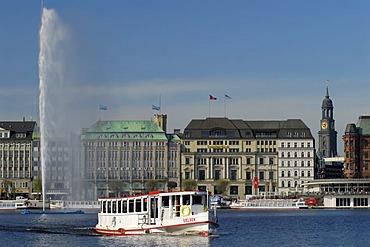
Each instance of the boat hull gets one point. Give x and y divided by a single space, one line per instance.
267 208
198 228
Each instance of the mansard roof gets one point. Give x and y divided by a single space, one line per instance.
26 127
351 129
363 125
124 130
248 129
235 128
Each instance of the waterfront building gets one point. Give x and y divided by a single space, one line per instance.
296 156
327 143
257 157
16 149
62 166
129 157
357 148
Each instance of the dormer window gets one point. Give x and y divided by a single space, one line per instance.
4 134
20 135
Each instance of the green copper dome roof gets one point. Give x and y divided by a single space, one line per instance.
124 130
363 125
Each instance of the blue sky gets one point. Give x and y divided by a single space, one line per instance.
272 57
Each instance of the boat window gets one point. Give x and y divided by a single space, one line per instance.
109 207
119 207
165 201
131 206
197 199
177 205
124 207
114 207
186 200
138 205
103 205
145 204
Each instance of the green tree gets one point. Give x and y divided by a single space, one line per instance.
222 186
37 186
7 188
151 184
189 184
115 186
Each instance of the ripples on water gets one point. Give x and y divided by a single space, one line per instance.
238 228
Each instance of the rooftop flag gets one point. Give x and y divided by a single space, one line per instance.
103 107
156 108
212 98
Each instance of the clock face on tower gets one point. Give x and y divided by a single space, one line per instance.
324 125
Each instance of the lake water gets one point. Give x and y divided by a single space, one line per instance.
237 228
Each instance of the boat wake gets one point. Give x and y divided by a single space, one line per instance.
78 231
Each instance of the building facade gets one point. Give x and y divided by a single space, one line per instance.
357 148
61 166
125 157
16 148
257 157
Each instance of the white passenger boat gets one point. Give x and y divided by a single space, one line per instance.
184 212
268 204
7 205
60 204
12 204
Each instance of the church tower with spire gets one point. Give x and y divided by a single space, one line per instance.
327 134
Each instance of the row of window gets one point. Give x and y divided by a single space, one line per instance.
204 143
22 145
137 205
126 144
15 185
295 154
249 175
236 161
288 173
282 163
295 144
289 184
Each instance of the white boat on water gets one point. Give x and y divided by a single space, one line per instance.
13 204
7 205
184 212
60 204
267 204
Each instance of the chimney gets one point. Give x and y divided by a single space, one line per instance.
161 120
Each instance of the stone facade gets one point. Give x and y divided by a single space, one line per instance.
122 157
16 149
357 149
250 154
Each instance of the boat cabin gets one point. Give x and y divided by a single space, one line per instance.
157 205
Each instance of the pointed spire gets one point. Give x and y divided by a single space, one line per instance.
327 89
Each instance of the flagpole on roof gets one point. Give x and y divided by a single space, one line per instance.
225 106
209 106
226 97
160 104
